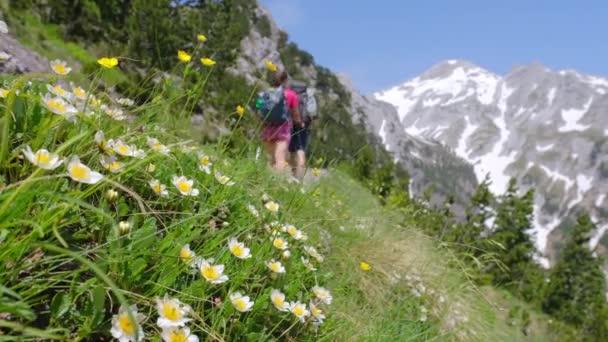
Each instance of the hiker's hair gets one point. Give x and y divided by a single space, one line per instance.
279 78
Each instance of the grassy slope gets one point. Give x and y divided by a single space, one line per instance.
374 305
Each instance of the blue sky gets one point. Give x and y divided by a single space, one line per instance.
385 42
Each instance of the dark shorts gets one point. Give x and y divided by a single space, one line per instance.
299 139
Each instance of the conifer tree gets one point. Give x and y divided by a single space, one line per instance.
575 293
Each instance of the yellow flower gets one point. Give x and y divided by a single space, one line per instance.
187 255
4 93
158 188
212 273
271 66
201 38
299 310
275 266
60 67
316 172
272 206
240 110
184 56
365 266
111 164
207 61
279 243
124 329
176 334
108 62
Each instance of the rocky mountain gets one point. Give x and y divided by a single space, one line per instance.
546 128
427 160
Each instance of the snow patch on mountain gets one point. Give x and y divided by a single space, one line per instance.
462 149
599 200
544 148
551 95
382 134
572 116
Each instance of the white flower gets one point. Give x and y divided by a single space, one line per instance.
82 173
42 158
125 102
59 91
126 330
204 163
3 27
212 273
58 106
275 266
280 243
151 167
299 310
322 294
240 302
238 249
278 299
272 206
313 253
116 114
294 232
184 186
224 180
4 56
253 210
175 334
123 149
286 254
79 93
171 312
104 145
111 164
158 188
308 264
187 256
4 93
157 146
60 67
317 313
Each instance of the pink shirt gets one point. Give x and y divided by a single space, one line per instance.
292 98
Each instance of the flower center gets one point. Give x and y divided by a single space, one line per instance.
79 171
177 336
210 272
317 312
183 186
171 312
126 325
240 304
123 149
298 311
59 90
204 161
60 69
79 92
278 243
278 301
42 157
114 166
275 267
157 188
237 250
185 254
56 106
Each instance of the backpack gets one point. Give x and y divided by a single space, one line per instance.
272 106
306 101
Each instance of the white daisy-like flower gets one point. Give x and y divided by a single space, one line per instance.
155 145
278 300
275 266
286 254
308 264
280 243
121 148
313 253
58 90
240 302
224 180
299 310
59 106
79 93
171 312
111 164
175 334
212 273
204 163
272 206
316 313
124 329
188 256
322 294
43 158
158 188
238 249
3 27
4 93
4 56
82 173
184 186
60 67
151 167
294 232
104 145
125 102
253 210
116 114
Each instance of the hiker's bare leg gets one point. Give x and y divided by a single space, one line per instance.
280 154
270 147
300 163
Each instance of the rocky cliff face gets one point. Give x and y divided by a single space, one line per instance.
546 128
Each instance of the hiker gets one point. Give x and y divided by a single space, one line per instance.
280 113
299 138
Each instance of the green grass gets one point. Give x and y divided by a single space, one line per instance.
66 266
